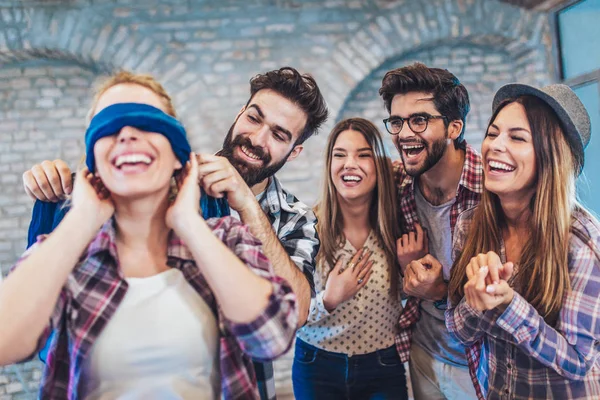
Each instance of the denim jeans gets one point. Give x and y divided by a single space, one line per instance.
319 374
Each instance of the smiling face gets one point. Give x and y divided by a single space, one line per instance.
353 170
133 163
420 151
509 156
262 138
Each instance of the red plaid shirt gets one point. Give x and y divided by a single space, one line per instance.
467 196
96 287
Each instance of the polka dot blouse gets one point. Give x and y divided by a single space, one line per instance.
364 323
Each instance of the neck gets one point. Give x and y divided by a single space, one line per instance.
259 187
517 214
439 184
141 224
355 213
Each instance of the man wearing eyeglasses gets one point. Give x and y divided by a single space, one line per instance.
438 177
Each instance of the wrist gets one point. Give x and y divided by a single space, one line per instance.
186 225
440 291
83 222
250 211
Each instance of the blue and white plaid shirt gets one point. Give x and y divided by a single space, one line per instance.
515 354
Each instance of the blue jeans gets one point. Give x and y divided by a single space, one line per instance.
319 374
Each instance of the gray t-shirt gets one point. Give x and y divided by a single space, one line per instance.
430 332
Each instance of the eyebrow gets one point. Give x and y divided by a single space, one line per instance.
417 114
275 127
358 150
516 129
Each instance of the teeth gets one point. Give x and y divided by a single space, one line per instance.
132 159
354 178
249 154
412 146
500 165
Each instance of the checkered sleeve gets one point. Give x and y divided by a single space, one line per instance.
572 348
272 332
301 243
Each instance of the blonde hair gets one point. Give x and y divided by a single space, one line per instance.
124 77
542 276
382 213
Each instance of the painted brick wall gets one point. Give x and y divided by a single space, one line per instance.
205 51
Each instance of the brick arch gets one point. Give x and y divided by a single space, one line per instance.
403 27
84 38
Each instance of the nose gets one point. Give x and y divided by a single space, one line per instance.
499 143
405 132
128 134
350 162
259 137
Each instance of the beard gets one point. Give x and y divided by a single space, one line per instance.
251 174
435 151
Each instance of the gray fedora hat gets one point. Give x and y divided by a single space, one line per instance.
569 109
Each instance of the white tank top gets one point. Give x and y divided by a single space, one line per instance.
161 343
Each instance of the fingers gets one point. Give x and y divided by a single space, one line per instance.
494 264
43 184
431 262
365 270
507 271
355 260
481 275
362 262
411 238
220 188
404 240
338 265
419 237
64 172
365 280
208 158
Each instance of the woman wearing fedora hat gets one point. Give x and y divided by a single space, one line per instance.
524 292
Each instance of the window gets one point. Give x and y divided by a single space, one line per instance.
578 38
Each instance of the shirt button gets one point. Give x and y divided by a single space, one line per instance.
509 366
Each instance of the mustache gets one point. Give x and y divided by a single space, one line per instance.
412 141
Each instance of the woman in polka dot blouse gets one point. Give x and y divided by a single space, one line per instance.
346 349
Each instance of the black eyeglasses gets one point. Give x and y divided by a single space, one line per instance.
416 123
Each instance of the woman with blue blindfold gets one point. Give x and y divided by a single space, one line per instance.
147 299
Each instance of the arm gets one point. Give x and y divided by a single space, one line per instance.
258 308
467 324
31 295
284 266
219 178
571 349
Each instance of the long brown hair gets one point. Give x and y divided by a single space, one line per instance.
542 276
382 212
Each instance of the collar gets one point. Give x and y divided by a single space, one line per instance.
106 241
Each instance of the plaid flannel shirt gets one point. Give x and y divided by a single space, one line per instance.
515 354
96 287
295 225
467 196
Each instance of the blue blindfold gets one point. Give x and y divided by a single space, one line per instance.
113 118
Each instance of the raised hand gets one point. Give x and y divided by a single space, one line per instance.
187 203
219 178
346 279
48 181
482 296
423 278
496 269
412 246
91 201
